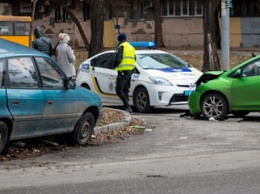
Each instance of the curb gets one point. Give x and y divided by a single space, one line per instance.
114 126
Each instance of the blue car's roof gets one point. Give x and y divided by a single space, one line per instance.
8 48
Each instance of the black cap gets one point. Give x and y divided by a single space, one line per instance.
121 37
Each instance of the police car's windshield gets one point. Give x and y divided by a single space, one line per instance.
160 61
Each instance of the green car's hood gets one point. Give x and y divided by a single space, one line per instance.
210 75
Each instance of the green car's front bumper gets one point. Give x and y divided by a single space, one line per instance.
194 103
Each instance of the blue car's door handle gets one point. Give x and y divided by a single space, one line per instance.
15 102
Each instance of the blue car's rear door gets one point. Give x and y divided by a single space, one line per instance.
24 96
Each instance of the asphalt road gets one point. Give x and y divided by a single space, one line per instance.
175 155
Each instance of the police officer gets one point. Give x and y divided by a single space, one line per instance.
124 64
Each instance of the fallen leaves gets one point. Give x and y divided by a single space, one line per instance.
111 116
39 146
121 133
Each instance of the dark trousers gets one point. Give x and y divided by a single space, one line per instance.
122 86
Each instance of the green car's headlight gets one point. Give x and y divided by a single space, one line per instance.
160 81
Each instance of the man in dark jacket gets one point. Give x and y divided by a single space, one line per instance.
41 42
124 64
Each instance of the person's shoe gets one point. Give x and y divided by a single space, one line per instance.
128 110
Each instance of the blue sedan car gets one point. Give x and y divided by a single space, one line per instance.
37 98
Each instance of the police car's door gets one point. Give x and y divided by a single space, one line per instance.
104 77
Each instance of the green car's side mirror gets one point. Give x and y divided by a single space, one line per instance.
238 73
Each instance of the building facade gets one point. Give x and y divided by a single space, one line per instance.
181 21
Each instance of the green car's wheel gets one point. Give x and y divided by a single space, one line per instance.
215 106
141 100
3 136
83 129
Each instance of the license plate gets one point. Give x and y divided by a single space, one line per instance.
187 92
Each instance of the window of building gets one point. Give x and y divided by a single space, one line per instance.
108 12
140 9
25 8
181 8
86 11
131 10
245 8
60 14
41 9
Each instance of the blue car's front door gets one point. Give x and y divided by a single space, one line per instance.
60 104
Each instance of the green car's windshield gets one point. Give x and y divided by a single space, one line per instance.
160 61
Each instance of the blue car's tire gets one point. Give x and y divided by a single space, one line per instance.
3 136
214 105
84 129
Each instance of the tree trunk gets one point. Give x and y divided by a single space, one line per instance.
210 58
158 24
217 25
97 27
76 21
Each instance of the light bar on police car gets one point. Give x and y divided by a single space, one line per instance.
149 45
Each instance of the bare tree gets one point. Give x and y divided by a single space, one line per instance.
97 26
158 24
210 57
117 8
74 19
217 12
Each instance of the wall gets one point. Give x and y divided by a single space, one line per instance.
235 32
51 28
250 32
182 31
177 32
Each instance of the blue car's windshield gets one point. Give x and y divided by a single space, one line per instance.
160 61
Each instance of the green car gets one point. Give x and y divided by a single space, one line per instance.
235 91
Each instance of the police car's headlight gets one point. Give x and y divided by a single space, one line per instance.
160 81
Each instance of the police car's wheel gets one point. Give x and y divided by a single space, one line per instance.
83 129
85 86
141 100
3 136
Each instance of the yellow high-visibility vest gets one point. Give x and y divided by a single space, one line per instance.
128 60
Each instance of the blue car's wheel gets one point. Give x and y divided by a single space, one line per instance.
215 106
3 136
83 129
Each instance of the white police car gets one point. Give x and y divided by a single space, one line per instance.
159 79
